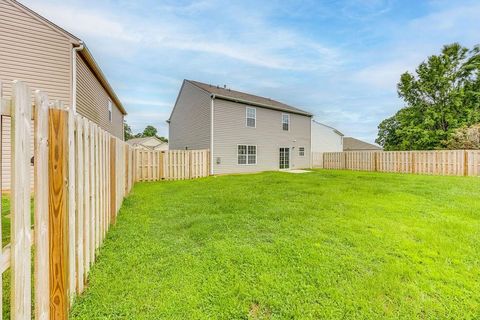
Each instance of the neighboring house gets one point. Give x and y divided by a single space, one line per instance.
326 138
245 133
352 144
149 143
46 57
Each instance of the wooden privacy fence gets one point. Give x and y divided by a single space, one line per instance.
81 175
441 162
171 165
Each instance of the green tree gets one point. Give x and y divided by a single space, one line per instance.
442 96
150 131
127 131
465 138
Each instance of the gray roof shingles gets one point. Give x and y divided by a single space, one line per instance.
352 144
253 99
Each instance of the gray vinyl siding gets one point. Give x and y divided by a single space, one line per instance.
92 100
190 119
230 130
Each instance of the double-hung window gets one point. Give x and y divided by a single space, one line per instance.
285 122
301 151
251 117
247 154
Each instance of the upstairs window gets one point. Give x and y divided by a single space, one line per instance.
251 117
247 154
301 151
285 122
110 115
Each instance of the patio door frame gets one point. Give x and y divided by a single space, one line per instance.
285 164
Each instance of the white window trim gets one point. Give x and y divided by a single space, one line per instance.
303 152
256 154
289 123
246 117
110 111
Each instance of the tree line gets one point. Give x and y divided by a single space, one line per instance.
442 104
149 131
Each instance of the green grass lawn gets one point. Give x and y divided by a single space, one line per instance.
326 244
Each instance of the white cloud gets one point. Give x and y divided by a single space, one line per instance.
251 41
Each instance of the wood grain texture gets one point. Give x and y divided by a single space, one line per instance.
170 165
92 173
42 290
58 214
87 197
21 295
71 205
80 206
432 162
113 180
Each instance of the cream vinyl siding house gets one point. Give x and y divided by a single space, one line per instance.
326 138
149 143
245 133
48 58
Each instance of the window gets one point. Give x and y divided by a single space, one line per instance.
247 154
251 117
285 121
301 151
110 118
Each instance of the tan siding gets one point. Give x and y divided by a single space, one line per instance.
230 130
36 54
190 120
32 52
92 100
7 153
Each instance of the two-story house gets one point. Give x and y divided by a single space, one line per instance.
244 132
46 57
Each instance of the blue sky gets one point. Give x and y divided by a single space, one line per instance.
340 60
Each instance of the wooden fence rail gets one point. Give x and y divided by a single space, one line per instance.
171 165
81 175
438 162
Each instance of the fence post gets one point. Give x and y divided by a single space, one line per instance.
20 207
465 163
42 303
58 213
113 180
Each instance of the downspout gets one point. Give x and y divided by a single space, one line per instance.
311 152
211 132
74 76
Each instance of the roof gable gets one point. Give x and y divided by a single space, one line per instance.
326 126
85 53
74 40
144 140
242 97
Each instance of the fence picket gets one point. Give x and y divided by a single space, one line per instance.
79 204
170 165
86 195
71 204
41 287
58 214
20 206
438 162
